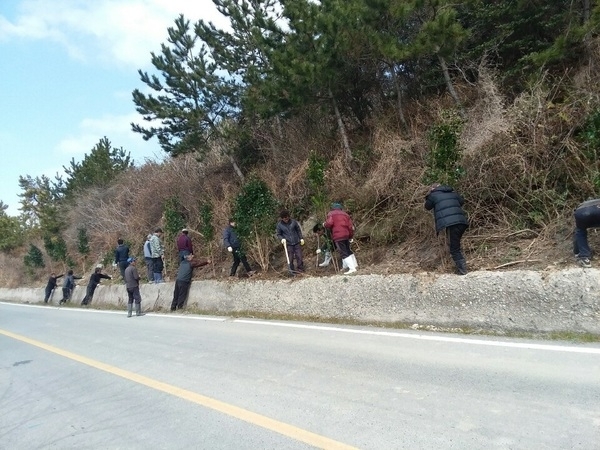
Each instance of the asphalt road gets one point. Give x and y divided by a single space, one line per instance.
73 378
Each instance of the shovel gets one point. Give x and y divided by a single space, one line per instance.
318 246
287 257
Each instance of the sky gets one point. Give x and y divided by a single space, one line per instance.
67 71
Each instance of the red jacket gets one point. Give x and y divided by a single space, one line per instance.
340 224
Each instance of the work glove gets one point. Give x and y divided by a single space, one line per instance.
318 251
283 241
351 241
229 249
301 241
114 264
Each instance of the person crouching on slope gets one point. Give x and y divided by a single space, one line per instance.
342 230
449 216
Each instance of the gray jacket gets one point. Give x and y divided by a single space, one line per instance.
132 277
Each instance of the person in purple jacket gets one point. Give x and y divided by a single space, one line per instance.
184 244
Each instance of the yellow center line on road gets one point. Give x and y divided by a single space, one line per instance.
282 428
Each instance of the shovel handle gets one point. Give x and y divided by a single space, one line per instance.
287 257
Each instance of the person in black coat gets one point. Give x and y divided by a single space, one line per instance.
449 215
51 286
121 257
587 215
234 246
95 279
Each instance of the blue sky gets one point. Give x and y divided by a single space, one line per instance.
67 71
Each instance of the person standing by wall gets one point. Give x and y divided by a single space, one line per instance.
95 279
68 286
289 232
132 285
148 259
450 216
342 230
587 215
184 280
184 244
121 255
158 253
50 286
234 246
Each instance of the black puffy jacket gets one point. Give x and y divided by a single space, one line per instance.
447 207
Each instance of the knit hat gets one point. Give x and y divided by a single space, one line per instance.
131 259
336 205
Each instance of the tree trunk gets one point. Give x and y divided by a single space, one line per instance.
586 11
450 85
236 168
399 98
279 131
342 128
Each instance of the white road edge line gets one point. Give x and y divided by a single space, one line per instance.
394 334
112 311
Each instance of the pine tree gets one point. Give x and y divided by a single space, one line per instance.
98 168
34 258
192 102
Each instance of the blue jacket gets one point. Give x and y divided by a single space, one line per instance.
230 238
121 253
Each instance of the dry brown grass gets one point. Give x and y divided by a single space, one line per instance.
518 157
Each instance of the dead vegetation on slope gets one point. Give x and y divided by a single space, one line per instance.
525 170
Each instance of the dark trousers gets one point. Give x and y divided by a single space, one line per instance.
586 217
295 251
133 294
149 269
157 269
343 247
238 257
180 294
66 295
89 293
454 234
47 294
122 266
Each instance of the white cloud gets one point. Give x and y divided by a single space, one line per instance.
122 32
117 128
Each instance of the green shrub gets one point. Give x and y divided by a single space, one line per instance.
174 218
444 151
34 258
254 213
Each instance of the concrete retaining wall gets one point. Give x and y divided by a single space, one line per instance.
567 300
